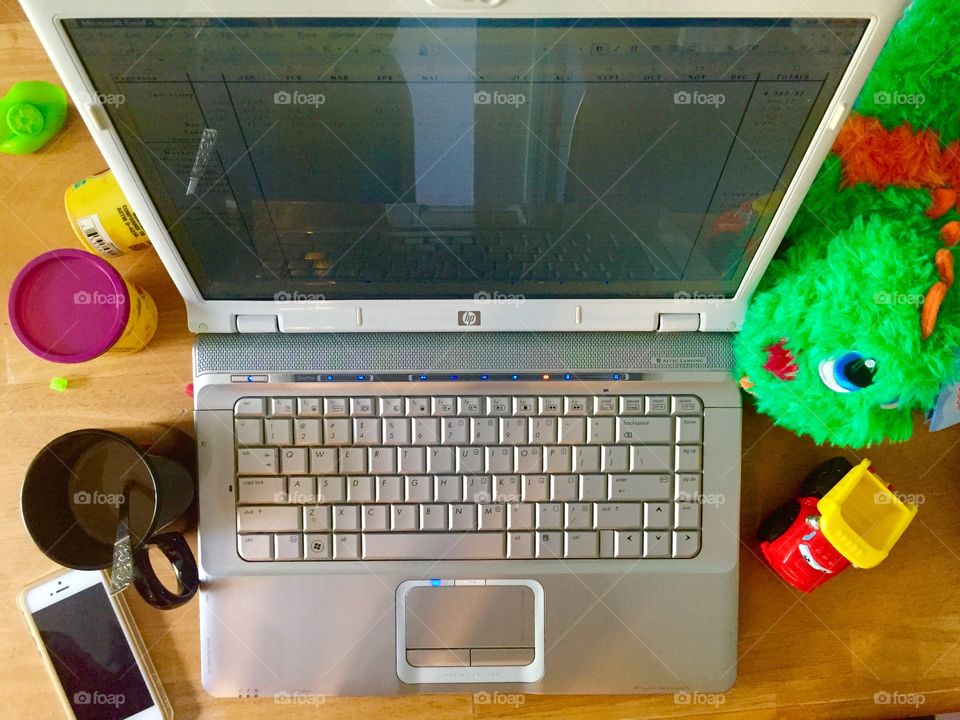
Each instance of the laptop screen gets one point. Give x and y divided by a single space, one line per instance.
451 158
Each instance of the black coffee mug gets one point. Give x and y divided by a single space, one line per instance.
70 503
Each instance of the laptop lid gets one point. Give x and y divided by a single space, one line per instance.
515 165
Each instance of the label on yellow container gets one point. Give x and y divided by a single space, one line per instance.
102 218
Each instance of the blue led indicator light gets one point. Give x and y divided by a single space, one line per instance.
329 378
249 378
484 377
361 377
516 377
453 377
423 377
567 376
616 376
435 582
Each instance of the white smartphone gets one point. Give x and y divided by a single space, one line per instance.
92 649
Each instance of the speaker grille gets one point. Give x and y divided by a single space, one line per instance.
370 352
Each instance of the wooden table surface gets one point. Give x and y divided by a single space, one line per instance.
894 630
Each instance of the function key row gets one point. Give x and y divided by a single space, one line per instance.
470 406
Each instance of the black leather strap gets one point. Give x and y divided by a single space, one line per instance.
145 579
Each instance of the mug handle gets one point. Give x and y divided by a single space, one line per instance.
145 579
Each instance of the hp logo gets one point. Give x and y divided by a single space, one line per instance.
468 317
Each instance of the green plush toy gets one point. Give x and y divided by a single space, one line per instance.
855 324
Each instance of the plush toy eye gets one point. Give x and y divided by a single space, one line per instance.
849 373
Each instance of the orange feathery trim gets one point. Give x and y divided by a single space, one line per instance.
872 154
942 201
950 164
931 308
944 263
950 233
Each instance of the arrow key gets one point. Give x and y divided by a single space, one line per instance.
656 516
656 544
627 544
686 543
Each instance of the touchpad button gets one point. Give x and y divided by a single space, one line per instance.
497 621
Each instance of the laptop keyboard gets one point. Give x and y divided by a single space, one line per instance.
468 477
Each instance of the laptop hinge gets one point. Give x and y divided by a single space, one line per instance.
257 324
679 322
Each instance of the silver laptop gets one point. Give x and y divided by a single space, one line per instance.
463 275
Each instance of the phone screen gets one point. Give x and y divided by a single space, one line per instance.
92 657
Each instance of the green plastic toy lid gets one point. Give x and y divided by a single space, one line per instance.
31 113
25 119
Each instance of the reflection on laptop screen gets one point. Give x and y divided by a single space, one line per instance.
409 158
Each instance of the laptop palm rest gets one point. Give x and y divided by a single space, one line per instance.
469 631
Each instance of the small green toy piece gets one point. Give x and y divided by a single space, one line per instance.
31 113
59 384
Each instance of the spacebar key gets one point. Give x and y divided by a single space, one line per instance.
434 546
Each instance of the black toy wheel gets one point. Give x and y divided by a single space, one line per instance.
822 478
778 522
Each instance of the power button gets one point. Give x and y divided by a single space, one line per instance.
838 113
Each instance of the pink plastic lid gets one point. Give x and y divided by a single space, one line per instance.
68 306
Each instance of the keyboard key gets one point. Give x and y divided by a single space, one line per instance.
686 516
579 516
636 430
543 431
418 488
391 407
255 547
346 518
499 406
605 405
513 431
352 461
656 544
317 547
535 488
499 459
331 489
549 516
426 431
686 405
323 461
626 543
463 517
248 431
492 517
441 460
362 407
433 517
302 491
658 405
383 460
593 487
269 518
550 545
471 406
253 490
336 431
418 407
524 406
484 431
311 407
434 546
360 489
247 407
396 431
618 516
631 405
366 431
551 405
389 489
564 487
282 407
478 488
528 459
574 405
293 461
507 488
581 544
689 429
448 488
520 516
520 545
335 407
573 431
686 543
454 431
444 406
688 458
586 459
413 460
306 432
606 543
650 458
615 458
257 461
317 518
278 432
470 460
688 487
347 547
288 547
404 518
640 487
656 516
600 430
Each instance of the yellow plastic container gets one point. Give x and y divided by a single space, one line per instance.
101 217
862 518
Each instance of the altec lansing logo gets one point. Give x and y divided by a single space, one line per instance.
468 317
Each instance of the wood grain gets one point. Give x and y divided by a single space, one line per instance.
895 629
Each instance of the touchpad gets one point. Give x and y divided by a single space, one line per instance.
490 624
